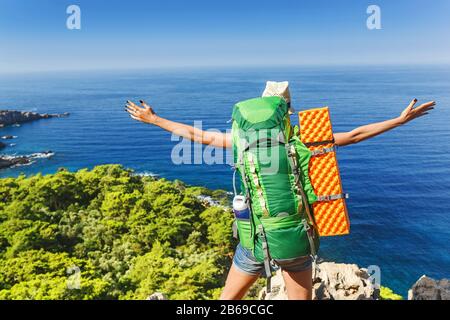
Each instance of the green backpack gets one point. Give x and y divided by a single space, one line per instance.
272 164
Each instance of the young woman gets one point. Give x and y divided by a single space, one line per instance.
245 269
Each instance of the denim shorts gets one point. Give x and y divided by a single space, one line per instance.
245 261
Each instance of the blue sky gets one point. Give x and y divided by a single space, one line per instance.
174 33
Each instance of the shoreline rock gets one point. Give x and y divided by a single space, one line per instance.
332 281
8 162
13 161
341 281
429 289
11 117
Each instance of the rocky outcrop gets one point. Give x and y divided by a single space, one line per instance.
429 289
9 117
157 296
14 161
7 137
8 162
340 281
278 289
2 145
332 281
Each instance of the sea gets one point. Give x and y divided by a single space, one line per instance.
398 183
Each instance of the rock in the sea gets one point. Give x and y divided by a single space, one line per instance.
7 137
429 289
12 161
2 145
157 296
10 117
8 162
332 281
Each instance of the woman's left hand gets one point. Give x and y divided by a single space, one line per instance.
411 113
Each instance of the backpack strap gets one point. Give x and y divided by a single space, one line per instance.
240 164
274 142
332 197
310 238
245 180
234 230
256 182
318 143
291 153
292 156
319 152
265 249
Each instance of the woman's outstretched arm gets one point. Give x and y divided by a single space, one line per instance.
371 130
146 114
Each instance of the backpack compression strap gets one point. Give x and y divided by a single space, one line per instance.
259 190
265 249
291 153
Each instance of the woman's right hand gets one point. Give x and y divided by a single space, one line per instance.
143 113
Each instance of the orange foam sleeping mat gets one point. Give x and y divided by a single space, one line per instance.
330 210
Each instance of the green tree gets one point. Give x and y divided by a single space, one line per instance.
128 235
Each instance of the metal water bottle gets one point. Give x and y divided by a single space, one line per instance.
240 208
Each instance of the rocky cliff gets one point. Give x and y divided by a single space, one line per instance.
429 289
340 281
332 281
9 117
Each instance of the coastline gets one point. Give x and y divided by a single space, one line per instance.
15 118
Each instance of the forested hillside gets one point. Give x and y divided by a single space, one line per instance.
128 235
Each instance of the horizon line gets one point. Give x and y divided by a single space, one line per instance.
222 66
